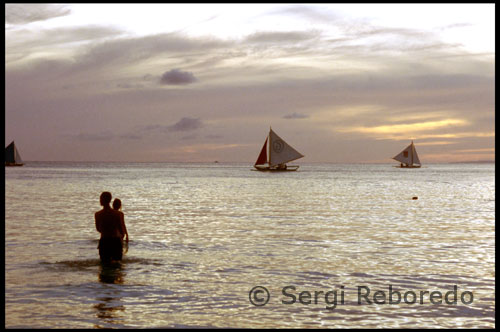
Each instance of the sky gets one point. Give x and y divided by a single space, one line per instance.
341 83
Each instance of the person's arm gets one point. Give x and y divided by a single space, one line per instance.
124 228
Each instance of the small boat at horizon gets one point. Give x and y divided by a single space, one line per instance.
275 154
12 156
408 157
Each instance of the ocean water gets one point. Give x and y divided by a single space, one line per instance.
202 236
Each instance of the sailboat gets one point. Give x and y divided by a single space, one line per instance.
408 157
275 154
12 156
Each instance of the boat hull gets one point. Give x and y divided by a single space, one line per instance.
414 166
275 169
13 164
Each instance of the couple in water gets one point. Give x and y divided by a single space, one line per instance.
110 222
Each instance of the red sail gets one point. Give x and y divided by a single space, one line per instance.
263 155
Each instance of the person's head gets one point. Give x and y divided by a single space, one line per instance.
117 204
105 198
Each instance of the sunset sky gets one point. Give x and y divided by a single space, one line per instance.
204 82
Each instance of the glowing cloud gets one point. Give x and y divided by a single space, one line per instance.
407 129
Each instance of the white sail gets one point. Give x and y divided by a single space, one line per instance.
280 152
415 155
408 156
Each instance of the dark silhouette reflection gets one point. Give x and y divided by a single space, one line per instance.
111 273
106 310
109 306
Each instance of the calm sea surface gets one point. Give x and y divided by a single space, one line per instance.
204 235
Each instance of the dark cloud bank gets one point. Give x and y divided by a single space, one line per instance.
177 77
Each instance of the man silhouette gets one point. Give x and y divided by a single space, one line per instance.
108 223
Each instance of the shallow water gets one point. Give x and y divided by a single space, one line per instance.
203 235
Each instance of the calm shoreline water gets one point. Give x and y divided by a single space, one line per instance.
203 235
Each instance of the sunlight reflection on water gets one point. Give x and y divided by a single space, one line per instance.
203 235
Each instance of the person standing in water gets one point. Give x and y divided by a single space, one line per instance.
108 223
117 204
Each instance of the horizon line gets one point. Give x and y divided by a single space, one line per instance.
243 162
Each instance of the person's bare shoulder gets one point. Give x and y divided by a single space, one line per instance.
117 213
100 214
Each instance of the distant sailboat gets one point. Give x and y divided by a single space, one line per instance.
12 156
275 154
408 157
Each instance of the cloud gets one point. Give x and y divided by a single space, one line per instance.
130 51
214 136
295 115
218 62
421 130
378 82
101 136
177 77
309 13
186 124
281 37
131 136
411 127
129 86
456 25
85 51
58 43
484 150
27 13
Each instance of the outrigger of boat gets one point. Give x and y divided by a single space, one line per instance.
275 154
277 168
